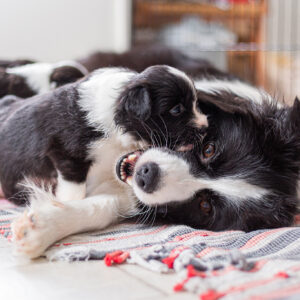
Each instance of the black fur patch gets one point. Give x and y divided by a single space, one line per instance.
64 75
11 84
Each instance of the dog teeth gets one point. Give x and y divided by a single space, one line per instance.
123 175
129 180
132 157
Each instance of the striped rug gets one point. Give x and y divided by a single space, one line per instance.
263 264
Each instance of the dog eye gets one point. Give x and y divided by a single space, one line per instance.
177 110
208 150
205 206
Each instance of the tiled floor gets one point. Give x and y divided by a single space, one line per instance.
42 280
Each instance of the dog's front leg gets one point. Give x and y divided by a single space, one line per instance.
48 221
71 173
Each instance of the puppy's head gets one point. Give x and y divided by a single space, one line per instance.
159 106
241 175
65 74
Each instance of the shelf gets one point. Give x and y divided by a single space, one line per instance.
147 10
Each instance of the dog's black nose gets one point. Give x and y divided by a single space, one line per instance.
147 177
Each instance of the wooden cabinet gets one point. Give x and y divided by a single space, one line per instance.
246 20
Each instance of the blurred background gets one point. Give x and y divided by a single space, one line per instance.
257 40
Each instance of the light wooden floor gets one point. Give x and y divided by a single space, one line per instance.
42 280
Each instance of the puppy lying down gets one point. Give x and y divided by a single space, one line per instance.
72 138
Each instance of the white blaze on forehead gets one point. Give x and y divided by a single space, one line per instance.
178 184
181 74
199 120
235 86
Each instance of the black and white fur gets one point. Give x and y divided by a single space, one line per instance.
74 136
25 78
60 134
30 79
248 182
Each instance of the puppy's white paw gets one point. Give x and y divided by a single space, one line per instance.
32 234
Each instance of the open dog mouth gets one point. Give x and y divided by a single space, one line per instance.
125 166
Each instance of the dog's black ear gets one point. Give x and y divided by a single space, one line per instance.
222 101
66 74
137 103
295 114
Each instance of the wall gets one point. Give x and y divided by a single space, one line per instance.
51 30
283 25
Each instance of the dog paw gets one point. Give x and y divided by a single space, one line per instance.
31 235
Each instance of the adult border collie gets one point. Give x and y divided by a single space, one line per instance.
241 173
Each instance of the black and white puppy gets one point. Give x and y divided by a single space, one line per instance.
61 134
28 79
243 174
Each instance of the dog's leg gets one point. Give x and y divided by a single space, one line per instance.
48 221
71 174
67 190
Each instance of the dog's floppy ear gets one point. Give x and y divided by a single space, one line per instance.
222 101
65 74
295 114
137 102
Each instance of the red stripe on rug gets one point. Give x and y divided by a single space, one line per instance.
255 283
256 239
190 235
114 239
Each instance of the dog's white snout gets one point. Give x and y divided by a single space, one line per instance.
174 182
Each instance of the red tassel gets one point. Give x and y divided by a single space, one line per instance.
116 257
211 295
179 286
282 275
169 261
192 272
121 258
